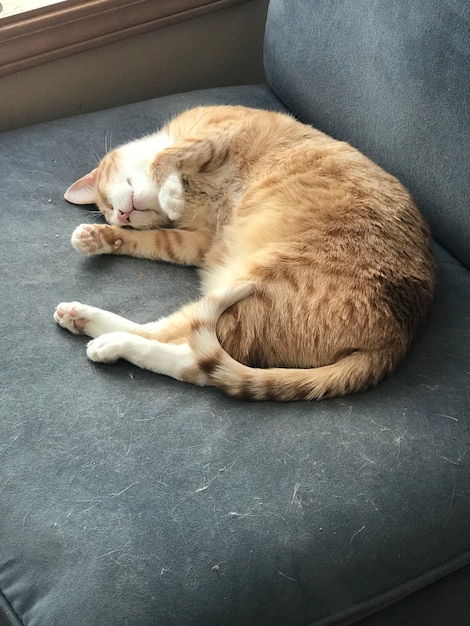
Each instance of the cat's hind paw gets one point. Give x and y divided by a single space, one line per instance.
108 348
95 239
69 316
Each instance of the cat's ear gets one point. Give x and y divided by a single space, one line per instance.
83 191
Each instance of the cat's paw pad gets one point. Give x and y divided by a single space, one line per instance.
90 239
170 196
106 349
70 315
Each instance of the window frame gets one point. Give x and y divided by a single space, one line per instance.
72 26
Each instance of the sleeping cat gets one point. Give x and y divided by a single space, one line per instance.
316 266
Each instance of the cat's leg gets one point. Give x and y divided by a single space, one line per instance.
175 360
193 155
88 320
83 319
116 337
176 246
175 356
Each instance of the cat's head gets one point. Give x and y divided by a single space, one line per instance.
124 191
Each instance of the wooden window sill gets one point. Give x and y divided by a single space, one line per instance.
63 29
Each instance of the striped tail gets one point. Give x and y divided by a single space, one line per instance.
353 373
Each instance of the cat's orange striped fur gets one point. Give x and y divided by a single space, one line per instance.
316 266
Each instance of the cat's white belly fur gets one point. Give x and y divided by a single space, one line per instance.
221 276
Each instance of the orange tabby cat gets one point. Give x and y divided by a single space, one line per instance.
316 266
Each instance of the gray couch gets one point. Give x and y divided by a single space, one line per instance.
132 499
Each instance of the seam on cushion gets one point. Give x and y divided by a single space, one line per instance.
8 612
388 598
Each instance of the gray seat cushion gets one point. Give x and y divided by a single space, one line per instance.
129 498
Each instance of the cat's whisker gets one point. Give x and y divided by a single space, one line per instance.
107 142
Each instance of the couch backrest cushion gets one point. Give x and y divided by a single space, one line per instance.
392 77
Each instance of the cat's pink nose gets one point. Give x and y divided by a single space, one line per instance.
123 217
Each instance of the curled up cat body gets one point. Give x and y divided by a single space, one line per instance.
316 266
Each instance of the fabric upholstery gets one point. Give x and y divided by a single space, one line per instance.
132 499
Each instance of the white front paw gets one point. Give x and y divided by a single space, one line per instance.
170 196
88 239
107 348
